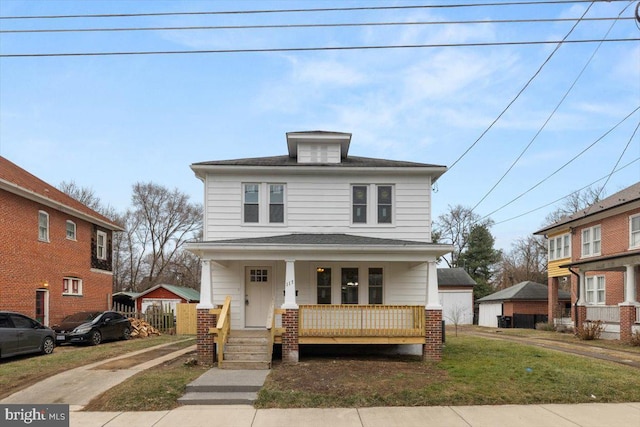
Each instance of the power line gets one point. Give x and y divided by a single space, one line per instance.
315 49
562 99
291 26
564 165
333 9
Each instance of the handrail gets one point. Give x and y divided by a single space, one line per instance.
223 327
271 326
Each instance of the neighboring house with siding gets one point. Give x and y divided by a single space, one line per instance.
598 251
340 244
166 297
455 287
55 252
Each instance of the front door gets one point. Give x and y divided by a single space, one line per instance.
258 296
42 306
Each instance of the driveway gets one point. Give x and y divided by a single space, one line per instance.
77 387
627 358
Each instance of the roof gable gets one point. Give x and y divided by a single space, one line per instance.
188 294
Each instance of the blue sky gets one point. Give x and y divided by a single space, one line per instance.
107 122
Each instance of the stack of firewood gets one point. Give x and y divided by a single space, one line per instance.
142 329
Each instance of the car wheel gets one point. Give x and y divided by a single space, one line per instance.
96 338
48 345
126 334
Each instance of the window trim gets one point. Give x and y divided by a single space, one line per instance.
75 230
283 204
631 232
591 241
45 215
264 204
591 286
245 203
372 206
69 287
353 204
104 257
557 244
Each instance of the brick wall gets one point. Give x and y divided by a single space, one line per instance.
290 347
205 345
524 307
27 263
432 349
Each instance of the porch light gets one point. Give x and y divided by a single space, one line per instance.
45 284
320 270
352 284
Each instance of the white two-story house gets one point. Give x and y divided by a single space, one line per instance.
339 246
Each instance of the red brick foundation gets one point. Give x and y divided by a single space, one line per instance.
627 319
582 316
432 349
206 348
290 348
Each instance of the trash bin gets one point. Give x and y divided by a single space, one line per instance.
507 320
500 321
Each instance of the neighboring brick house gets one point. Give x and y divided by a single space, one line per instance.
598 251
55 253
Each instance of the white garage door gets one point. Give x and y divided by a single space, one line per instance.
489 312
457 307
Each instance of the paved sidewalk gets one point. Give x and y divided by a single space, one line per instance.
583 415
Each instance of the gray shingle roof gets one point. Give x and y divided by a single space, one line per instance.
524 291
454 277
348 162
628 195
319 239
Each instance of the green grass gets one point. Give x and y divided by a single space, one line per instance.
17 373
474 371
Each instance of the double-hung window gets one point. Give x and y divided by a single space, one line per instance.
72 286
372 204
591 241
276 203
560 247
595 289
251 203
43 226
359 201
385 196
101 245
263 203
634 231
71 230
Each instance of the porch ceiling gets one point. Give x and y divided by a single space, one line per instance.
320 247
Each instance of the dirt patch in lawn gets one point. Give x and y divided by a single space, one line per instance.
131 361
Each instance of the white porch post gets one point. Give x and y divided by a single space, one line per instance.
206 300
290 286
433 298
630 285
583 290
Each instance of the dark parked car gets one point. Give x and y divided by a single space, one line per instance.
93 327
20 334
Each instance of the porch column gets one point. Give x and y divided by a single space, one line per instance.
552 305
432 348
583 290
205 347
290 318
628 307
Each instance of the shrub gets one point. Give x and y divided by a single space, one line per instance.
546 326
589 330
635 338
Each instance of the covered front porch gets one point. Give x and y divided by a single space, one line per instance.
324 289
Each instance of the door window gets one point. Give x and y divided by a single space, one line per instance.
349 285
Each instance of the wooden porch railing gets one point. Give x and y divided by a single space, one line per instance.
271 324
606 313
361 321
223 327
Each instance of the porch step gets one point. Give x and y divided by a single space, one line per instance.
224 387
247 350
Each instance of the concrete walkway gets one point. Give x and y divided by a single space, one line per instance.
77 387
581 415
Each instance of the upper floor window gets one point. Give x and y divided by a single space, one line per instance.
43 226
359 204
591 241
385 193
71 230
560 247
251 203
101 245
276 203
595 289
72 286
634 231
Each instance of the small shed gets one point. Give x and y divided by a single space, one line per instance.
166 297
124 299
520 306
455 289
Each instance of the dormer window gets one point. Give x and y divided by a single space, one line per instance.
318 147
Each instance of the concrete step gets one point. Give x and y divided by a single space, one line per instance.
245 365
247 356
218 398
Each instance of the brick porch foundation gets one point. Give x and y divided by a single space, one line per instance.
290 348
432 349
206 348
627 319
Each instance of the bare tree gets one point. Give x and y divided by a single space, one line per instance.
575 202
458 315
454 227
527 260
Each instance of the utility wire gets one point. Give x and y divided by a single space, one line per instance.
290 26
568 195
553 112
520 92
333 9
564 165
315 49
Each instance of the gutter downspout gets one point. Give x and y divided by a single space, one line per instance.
575 306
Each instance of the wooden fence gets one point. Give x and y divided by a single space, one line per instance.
186 319
158 317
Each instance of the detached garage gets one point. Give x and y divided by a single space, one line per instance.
520 306
455 289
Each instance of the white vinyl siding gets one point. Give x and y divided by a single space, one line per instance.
457 306
318 153
488 313
318 204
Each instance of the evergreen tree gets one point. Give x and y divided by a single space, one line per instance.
480 259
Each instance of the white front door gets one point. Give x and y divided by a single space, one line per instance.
258 296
